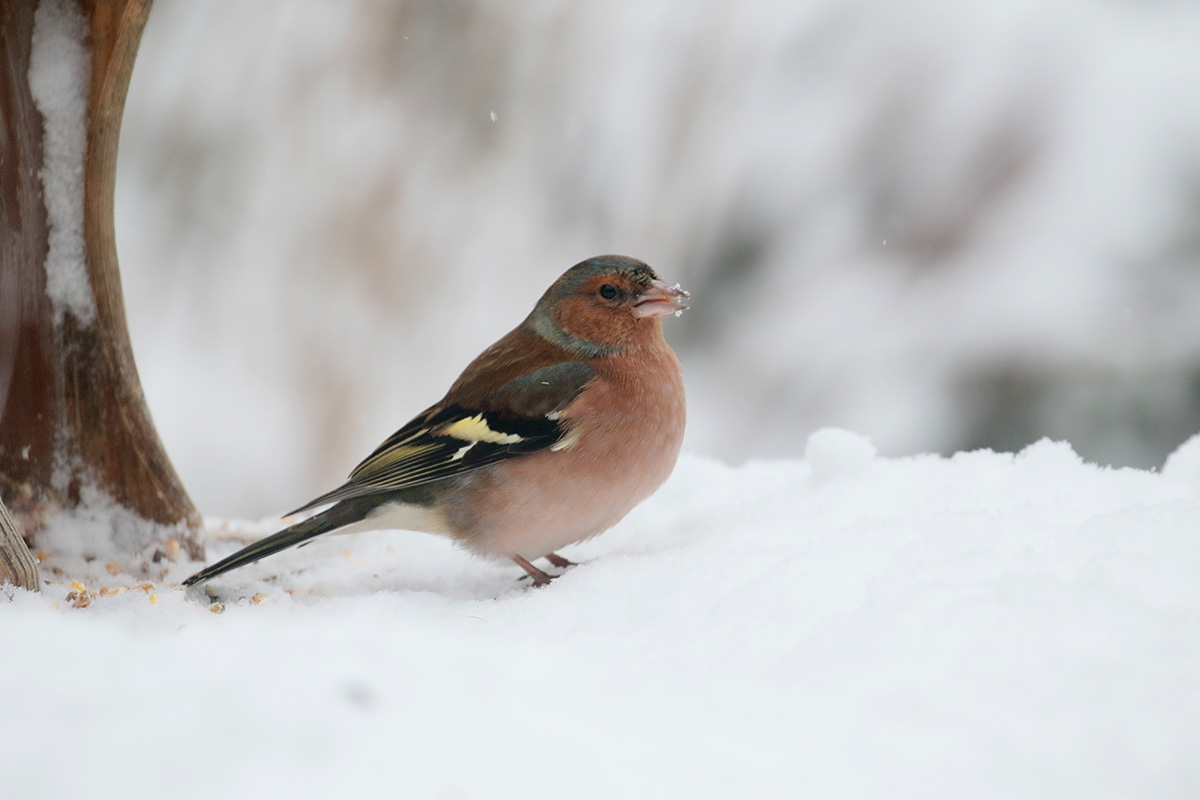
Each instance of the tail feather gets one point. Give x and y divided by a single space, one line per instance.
331 519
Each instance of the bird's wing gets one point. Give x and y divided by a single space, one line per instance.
522 416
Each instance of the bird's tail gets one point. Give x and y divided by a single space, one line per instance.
290 536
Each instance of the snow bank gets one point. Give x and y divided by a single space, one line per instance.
985 625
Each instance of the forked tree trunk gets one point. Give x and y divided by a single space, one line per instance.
72 413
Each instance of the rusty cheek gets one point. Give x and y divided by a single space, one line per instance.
610 326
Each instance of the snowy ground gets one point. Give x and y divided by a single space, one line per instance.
986 625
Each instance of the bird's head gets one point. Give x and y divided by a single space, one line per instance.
605 305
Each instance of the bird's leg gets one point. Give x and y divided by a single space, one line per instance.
539 578
559 561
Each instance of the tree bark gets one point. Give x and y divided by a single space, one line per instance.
72 413
17 565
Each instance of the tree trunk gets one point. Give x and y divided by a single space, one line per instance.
72 413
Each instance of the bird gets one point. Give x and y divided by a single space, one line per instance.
548 438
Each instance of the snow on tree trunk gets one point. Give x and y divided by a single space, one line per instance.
75 432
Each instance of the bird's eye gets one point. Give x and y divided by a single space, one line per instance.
608 291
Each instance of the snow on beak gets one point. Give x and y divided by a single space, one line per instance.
660 299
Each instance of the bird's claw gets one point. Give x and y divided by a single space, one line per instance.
538 577
559 561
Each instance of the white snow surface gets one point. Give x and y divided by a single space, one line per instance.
59 74
847 625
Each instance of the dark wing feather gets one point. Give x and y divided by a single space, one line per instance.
449 439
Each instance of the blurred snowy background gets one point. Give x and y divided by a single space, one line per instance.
942 225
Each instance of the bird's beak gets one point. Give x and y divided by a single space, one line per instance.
660 299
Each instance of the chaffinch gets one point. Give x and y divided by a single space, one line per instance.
548 438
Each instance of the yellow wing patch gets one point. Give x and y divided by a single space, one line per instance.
442 443
392 456
475 429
